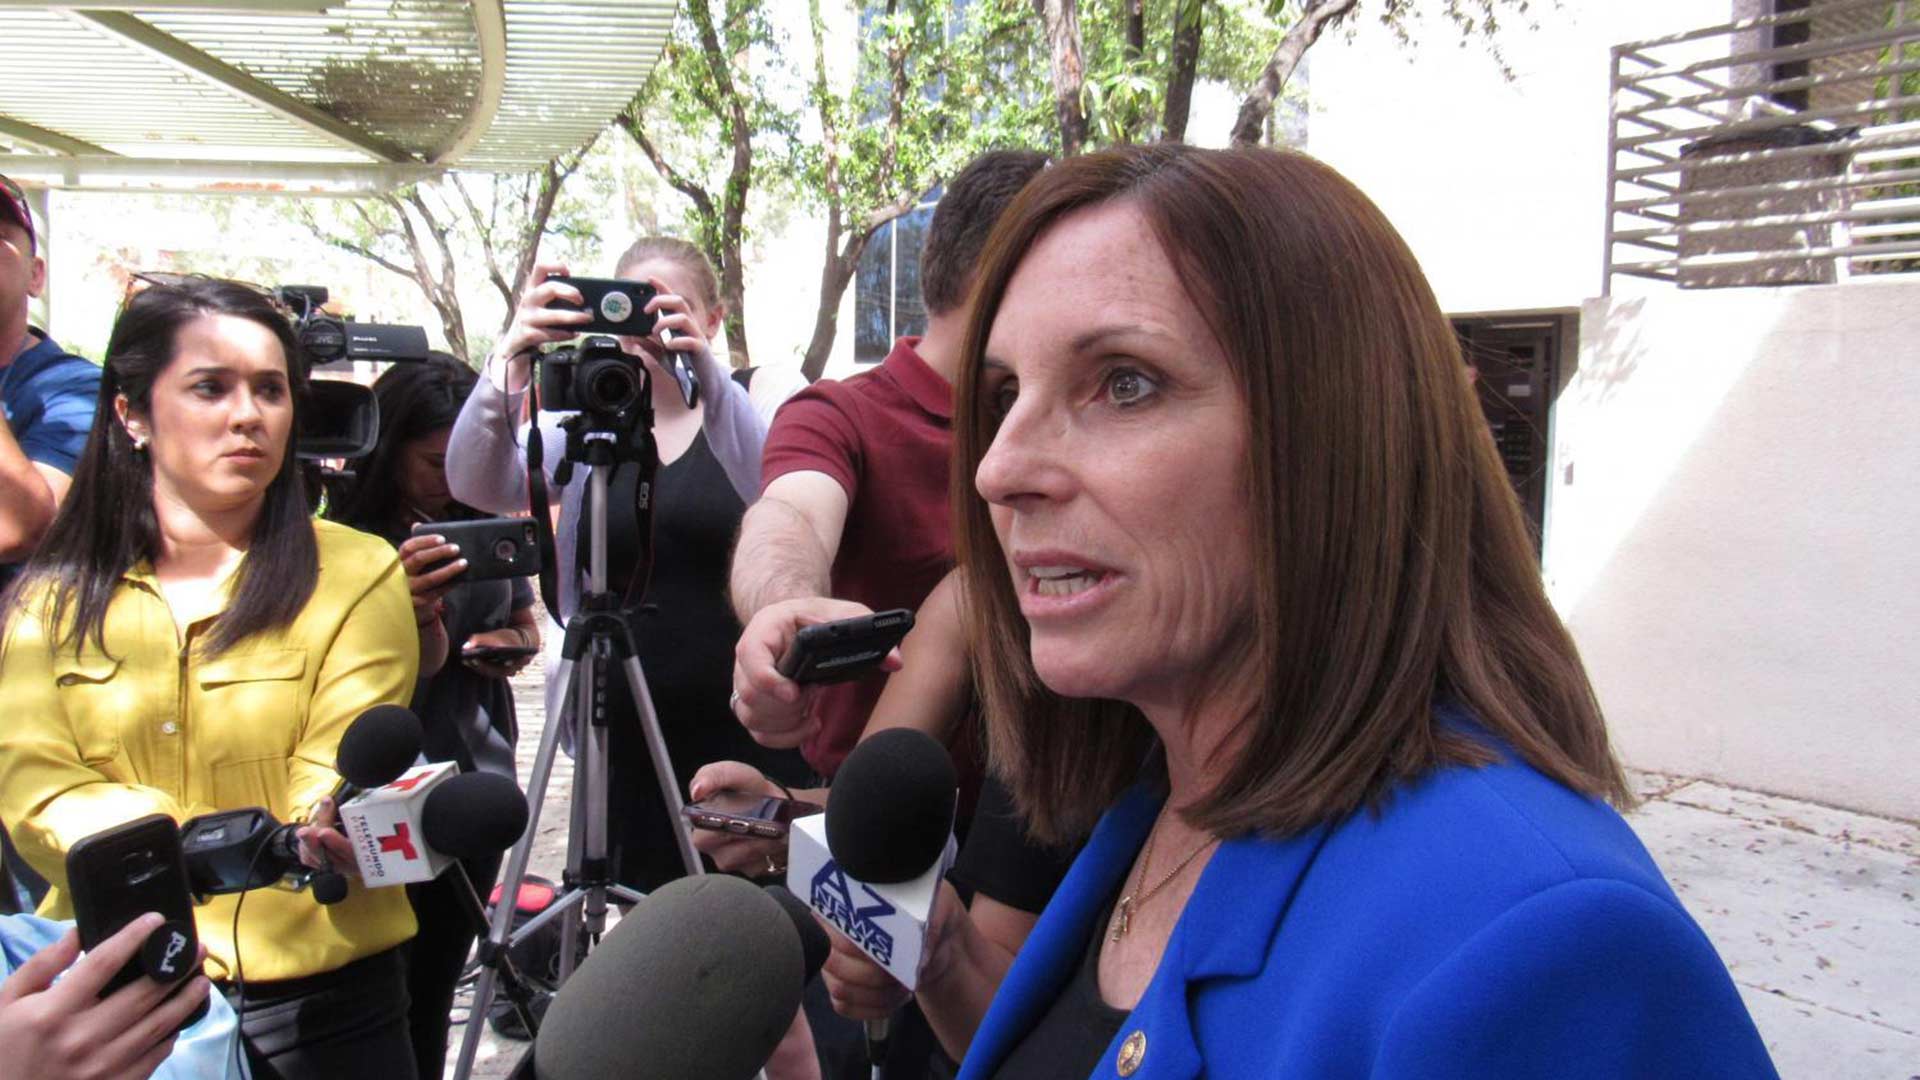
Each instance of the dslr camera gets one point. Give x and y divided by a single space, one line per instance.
596 377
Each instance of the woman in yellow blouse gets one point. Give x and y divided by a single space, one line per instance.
188 640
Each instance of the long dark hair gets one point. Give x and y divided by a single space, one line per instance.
106 524
415 400
1393 568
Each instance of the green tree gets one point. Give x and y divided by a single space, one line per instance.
1116 64
911 116
714 95
426 233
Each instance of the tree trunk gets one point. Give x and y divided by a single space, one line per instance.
550 183
1189 20
836 273
1062 22
440 290
842 262
733 198
1258 104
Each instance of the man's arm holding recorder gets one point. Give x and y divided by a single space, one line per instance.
780 582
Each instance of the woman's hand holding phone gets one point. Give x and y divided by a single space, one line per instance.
536 324
499 654
751 856
431 565
64 1030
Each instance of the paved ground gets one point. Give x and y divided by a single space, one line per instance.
1814 910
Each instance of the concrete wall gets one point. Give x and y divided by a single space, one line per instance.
1734 534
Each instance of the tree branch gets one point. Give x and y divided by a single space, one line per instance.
483 225
351 248
630 123
1315 18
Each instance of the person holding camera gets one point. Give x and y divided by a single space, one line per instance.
709 468
190 640
474 635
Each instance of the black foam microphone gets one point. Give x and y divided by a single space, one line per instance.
473 815
892 807
889 821
701 979
380 745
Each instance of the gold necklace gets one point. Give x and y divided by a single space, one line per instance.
1123 914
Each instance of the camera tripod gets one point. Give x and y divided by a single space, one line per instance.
599 638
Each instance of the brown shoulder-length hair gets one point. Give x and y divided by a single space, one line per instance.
1394 571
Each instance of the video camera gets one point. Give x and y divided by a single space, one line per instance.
341 419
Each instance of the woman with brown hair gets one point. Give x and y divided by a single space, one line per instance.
1254 603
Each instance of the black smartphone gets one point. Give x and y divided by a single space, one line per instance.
494 548
845 648
618 307
120 874
500 652
747 814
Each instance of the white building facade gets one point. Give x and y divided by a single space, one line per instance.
1725 473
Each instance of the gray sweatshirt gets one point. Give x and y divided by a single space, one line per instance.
487 455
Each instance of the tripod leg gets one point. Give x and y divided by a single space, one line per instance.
499 934
589 761
663 772
590 791
499 960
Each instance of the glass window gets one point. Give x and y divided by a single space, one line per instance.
886 299
873 300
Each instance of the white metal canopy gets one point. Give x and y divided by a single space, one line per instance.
344 96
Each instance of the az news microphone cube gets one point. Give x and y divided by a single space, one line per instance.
888 922
384 828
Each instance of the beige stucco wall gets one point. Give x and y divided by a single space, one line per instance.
1733 518
1735 534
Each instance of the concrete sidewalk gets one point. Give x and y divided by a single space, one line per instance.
1813 909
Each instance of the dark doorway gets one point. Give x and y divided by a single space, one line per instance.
1518 364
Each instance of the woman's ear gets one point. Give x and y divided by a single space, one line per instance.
136 428
716 316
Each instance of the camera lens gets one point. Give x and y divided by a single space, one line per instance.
608 386
504 550
324 339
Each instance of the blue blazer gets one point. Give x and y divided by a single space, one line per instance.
1487 923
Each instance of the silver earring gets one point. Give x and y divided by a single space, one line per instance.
139 445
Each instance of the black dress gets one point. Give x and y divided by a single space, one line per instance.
685 634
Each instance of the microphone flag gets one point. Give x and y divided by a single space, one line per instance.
888 922
384 826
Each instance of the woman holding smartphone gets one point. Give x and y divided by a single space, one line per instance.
189 640
474 635
709 468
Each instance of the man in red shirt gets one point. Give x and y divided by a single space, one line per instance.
852 515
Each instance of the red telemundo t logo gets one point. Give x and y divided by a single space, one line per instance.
401 841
